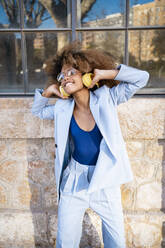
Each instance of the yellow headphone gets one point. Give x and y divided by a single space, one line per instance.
87 80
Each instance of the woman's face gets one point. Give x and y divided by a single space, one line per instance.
71 79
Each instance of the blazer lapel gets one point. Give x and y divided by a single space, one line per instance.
95 106
63 123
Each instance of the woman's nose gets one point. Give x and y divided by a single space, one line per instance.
64 80
66 77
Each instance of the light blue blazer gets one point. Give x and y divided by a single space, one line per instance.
113 165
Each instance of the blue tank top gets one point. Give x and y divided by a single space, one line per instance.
86 143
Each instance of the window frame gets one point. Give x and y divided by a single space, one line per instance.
73 30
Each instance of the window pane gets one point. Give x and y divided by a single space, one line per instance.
11 74
9 14
40 46
110 41
147 51
100 13
47 14
147 12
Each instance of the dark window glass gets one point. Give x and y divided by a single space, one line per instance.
47 14
111 41
9 14
147 51
147 13
41 46
23 52
100 13
11 73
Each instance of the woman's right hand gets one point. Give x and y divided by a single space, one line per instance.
52 90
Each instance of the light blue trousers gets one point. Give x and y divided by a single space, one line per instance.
74 200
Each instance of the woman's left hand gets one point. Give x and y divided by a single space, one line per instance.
96 78
103 74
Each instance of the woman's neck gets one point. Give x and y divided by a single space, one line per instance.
82 99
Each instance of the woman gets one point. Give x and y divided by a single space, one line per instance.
91 159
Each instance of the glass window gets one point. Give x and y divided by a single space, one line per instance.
9 14
100 13
111 41
147 51
147 13
40 46
47 15
11 73
132 31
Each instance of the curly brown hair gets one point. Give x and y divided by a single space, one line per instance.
84 60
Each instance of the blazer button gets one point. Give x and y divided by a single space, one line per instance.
55 145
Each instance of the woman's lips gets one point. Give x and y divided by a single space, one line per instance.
69 83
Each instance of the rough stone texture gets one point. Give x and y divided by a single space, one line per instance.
149 196
19 229
28 208
144 230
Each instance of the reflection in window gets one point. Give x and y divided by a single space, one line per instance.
9 14
146 47
100 13
40 46
110 41
146 13
44 14
10 63
147 51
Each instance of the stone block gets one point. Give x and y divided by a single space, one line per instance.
9 171
23 230
40 149
47 129
143 171
28 196
128 196
134 149
142 118
33 126
17 149
12 124
3 149
50 196
3 197
154 150
149 196
40 172
144 230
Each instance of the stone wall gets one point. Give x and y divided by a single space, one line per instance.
28 209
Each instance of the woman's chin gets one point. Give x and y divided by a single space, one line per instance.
73 90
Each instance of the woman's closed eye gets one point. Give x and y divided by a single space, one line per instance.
71 72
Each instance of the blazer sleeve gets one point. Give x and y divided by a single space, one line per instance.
40 108
132 79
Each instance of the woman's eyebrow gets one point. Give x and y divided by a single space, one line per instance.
67 70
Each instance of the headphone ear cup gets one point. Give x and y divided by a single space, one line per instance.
87 79
63 92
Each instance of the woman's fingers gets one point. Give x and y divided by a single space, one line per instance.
52 90
58 93
95 79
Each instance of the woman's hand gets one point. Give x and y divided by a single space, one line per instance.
103 74
52 90
97 76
